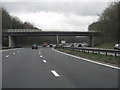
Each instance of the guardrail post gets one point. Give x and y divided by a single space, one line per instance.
106 53
88 51
98 52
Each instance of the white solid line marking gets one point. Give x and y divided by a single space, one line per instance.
13 53
44 61
87 60
40 55
7 55
55 73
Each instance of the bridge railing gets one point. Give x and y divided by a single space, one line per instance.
96 51
22 30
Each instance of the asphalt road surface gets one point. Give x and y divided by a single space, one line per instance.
46 68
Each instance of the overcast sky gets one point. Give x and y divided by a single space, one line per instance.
54 15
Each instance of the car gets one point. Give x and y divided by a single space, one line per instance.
45 44
50 45
78 45
117 46
68 45
34 46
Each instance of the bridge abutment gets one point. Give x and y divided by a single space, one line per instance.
11 41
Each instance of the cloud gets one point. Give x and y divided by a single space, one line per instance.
82 8
57 15
56 0
57 21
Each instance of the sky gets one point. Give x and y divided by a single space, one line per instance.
54 15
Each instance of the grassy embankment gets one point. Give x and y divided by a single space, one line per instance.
106 46
95 57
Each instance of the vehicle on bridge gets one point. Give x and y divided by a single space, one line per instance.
34 46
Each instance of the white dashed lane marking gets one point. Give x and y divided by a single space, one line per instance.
40 55
40 51
44 61
55 73
7 56
14 53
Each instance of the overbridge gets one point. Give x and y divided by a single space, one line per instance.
11 33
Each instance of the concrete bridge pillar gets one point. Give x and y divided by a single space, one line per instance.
91 41
57 40
11 42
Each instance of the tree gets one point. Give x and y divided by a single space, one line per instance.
109 23
10 22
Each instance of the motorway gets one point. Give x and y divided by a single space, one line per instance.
46 68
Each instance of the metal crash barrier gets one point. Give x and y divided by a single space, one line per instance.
96 50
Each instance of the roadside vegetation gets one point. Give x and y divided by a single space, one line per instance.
106 46
13 22
109 24
96 57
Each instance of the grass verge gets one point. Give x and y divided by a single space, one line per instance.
106 46
95 57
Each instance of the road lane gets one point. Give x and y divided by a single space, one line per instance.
27 70
83 74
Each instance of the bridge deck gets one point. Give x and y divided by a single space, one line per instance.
17 32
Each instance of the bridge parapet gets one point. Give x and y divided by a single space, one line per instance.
22 30
17 32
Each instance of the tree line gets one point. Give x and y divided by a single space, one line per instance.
11 22
109 24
